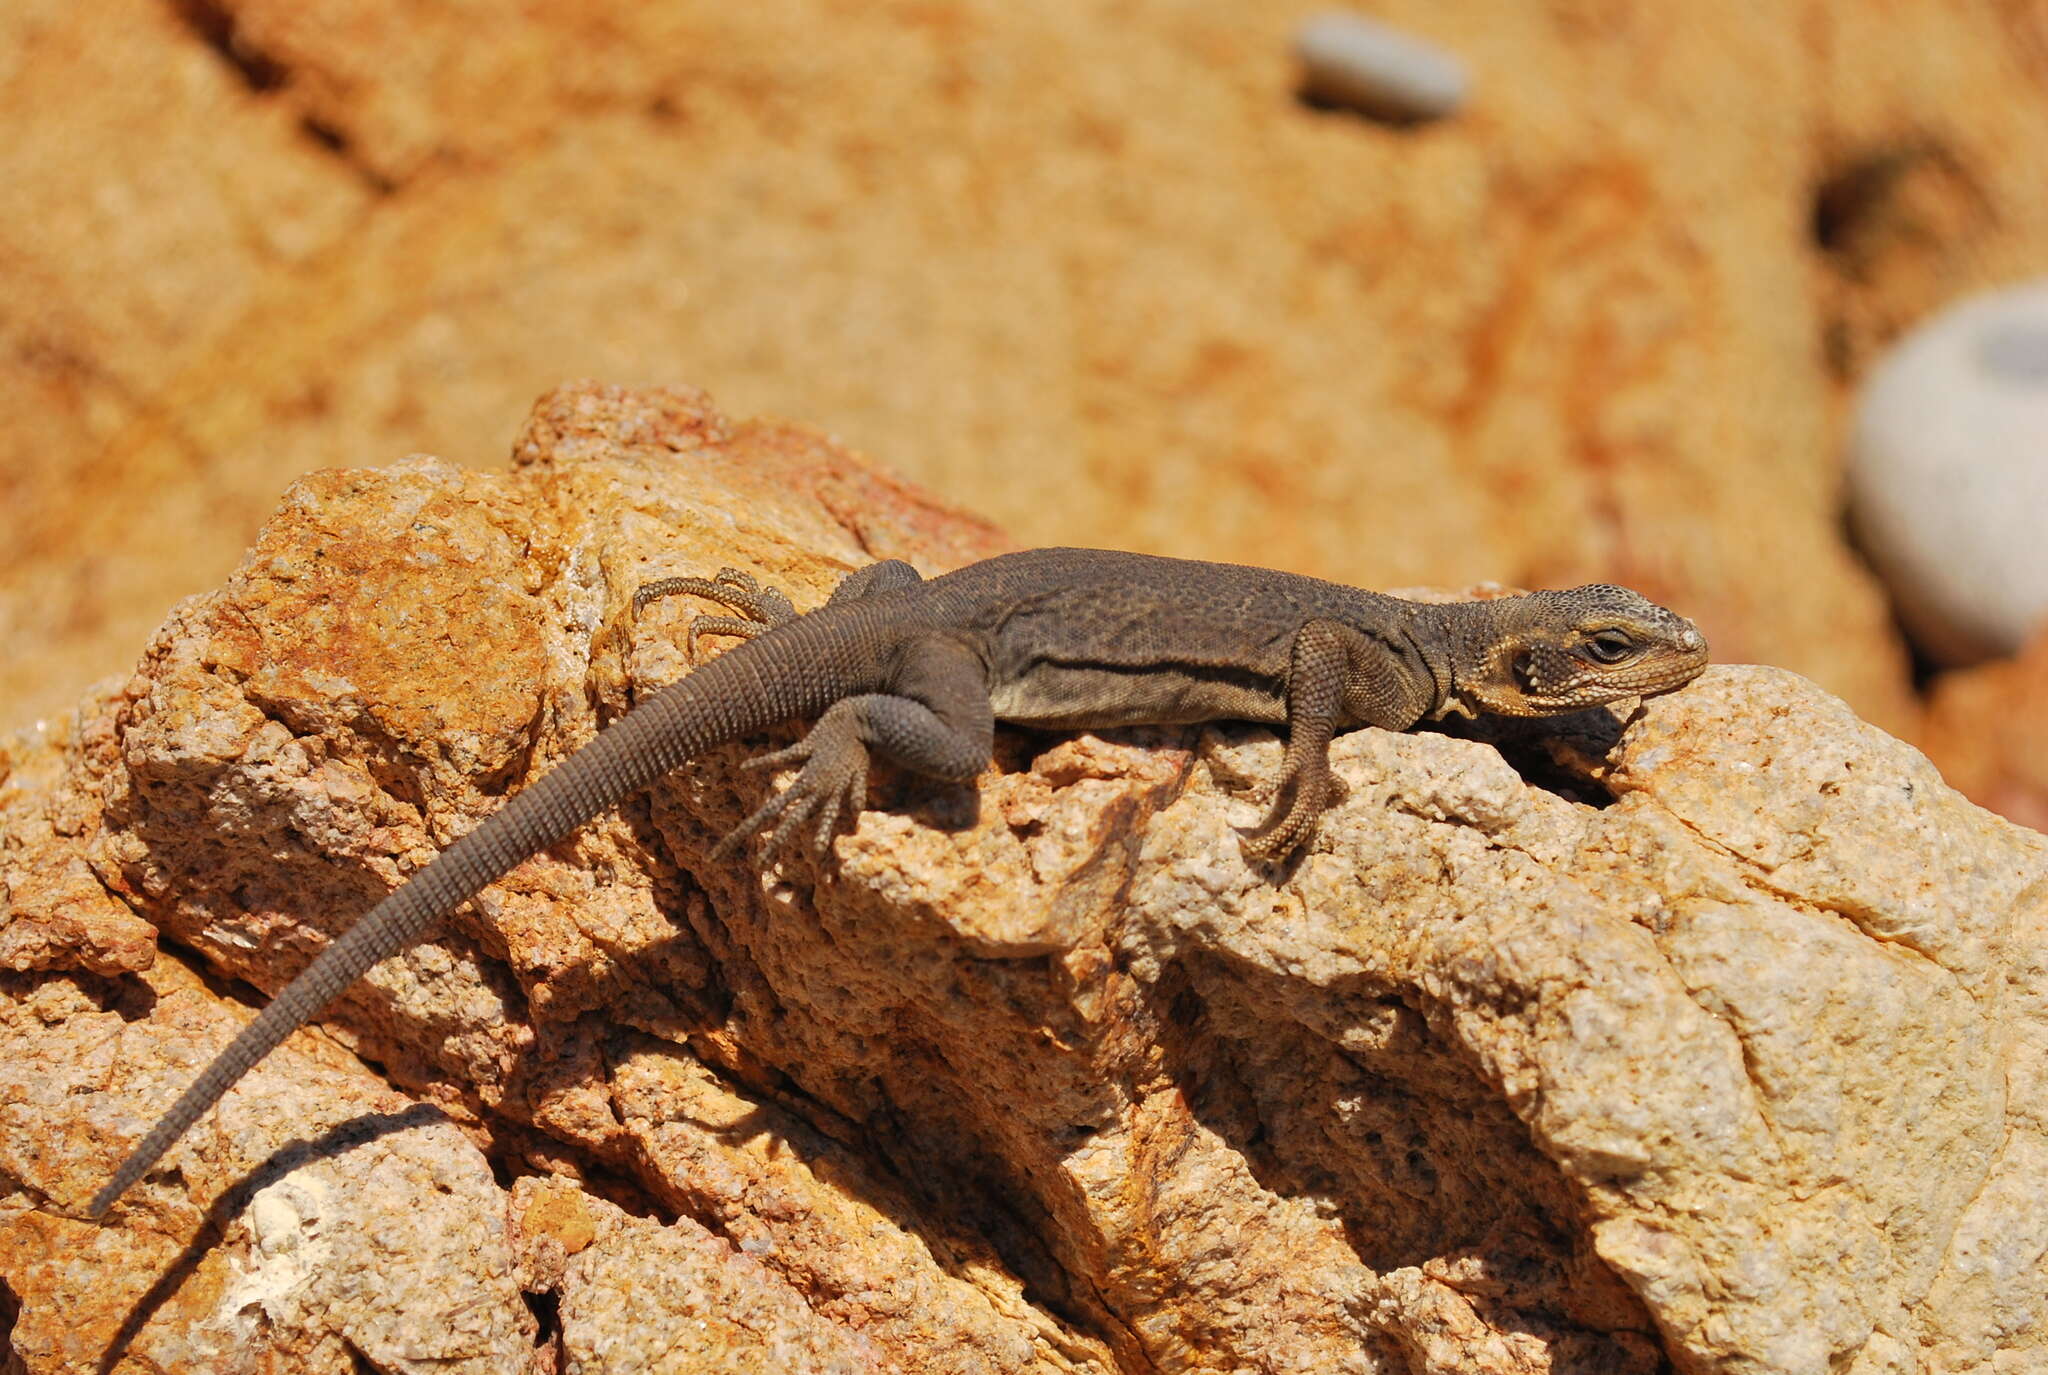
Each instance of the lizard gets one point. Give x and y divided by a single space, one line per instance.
919 670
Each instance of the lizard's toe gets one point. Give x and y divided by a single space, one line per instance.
1265 844
842 796
792 821
734 839
799 753
1291 821
738 579
832 784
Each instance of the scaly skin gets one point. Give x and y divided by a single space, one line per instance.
1059 638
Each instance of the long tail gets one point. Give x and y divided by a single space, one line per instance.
753 686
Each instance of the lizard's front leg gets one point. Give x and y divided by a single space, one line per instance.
1336 674
934 718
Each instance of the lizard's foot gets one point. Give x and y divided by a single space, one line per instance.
832 784
1304 795
761 607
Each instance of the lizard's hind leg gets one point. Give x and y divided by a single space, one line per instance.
933 719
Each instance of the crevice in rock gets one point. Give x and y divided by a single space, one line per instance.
1543 764
935 1168
1002 1213
220 984
1892 221
213 23
1554 754
957 1184
1752 1072
124 995
10 1314
546 1307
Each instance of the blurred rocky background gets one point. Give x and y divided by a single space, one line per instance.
1099 271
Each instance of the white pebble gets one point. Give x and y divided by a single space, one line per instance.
1948 475
1350 60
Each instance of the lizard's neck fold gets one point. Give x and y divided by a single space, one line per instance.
1471 655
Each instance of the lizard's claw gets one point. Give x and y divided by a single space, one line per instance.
1304 794
832 783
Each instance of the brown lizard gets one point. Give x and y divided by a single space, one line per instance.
920 671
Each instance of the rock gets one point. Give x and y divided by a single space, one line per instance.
54 911
1703 1037
1948 475
1347 59
637 1295
1504 348
267 1254
1987 729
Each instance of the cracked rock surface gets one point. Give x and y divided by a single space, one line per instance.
1700 1036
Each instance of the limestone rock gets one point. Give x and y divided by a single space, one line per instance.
1703 1037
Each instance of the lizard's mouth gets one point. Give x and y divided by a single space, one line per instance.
1553 684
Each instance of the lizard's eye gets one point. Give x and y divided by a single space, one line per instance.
1609 646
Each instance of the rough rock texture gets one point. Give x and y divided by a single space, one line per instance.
1086 266
639 1295
1704 1037
268 1258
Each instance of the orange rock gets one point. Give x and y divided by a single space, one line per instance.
1987 728
1094 272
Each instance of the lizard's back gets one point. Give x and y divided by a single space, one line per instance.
1091 637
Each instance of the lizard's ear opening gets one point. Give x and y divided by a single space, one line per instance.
1534 672
1542 670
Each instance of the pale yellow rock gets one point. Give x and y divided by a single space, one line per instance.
1706 1037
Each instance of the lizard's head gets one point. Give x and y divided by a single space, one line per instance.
1563 651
